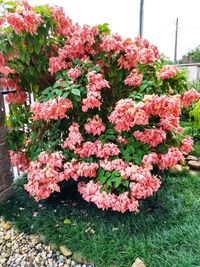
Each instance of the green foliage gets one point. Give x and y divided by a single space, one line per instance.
195 117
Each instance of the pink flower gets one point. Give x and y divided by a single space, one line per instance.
53 109
44 175
96 83
64 24
170 158
122 140
134 78
186 146
150 159
162 106
94 126
24 19
167 72
170 123
112 43
189 96
19 159
127 114
18 97
152 136
74 73
74 138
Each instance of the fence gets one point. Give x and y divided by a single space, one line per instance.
5 111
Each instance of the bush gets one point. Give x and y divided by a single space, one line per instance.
106 112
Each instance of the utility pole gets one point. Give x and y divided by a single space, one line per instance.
141 18
176 41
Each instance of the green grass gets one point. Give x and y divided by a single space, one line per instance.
166 232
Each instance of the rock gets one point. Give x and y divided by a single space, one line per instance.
78 258
35 238
195 165
3 260
194 173
177 168
65 251
72 263
6 226
190 157
138 263
53 246
182 161
7 237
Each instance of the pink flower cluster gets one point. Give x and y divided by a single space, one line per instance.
127 114
134 78
97 149
94 126
170 158
186 145
75 169
78 45
19 159
74 138
91 193
24 19
189 96
162 106
74 73
137 51
152 136
163 161
5 70
96 83
53 109
18 97
167 72
112 42
64 24
44 175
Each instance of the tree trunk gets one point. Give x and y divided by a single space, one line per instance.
6 176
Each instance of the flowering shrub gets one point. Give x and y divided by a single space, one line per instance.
106 110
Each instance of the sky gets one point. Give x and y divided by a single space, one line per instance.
123 18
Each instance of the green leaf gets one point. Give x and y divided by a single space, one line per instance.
117 181
76 92
67 221
65 95
162 148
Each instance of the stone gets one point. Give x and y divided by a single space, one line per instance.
195 173
7 237
138 263
190 157
65 251
195 165
53 246
177 168
78 258
35 238
182 161
3 260
6 225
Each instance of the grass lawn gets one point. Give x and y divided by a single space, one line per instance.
166 232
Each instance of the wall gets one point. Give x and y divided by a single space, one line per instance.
193 71
6 176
